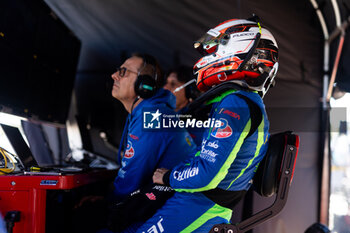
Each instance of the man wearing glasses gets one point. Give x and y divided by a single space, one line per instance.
137 85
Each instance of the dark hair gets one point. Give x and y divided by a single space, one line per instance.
151 67
184 73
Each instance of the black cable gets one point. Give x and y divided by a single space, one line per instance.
126 131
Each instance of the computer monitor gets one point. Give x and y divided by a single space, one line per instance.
38 60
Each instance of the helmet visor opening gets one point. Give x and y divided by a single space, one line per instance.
208 43
266 54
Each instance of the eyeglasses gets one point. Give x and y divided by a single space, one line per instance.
122 71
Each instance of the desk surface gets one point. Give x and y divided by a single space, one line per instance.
66 181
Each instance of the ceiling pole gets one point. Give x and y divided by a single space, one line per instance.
340 48
325 51
340 29
324 126
336 13
327 93
335 67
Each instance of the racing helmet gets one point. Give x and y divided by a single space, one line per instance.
240 51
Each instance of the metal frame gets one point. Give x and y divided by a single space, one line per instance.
288 162
328 85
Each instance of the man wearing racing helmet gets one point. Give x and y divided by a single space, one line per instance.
239 63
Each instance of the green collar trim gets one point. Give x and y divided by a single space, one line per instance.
223 95
220 97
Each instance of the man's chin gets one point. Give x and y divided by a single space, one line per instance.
115 94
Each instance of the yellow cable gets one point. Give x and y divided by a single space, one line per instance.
4 170
5 155
12 162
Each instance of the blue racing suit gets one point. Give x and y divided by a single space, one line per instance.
144 150
226 161
195 133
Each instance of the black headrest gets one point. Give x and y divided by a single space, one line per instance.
266 179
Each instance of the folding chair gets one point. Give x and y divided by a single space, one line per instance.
274 176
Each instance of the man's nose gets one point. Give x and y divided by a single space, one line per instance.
115 76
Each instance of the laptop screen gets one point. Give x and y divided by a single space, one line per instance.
20 146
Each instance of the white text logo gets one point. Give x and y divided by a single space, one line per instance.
213 144
190 172
156 228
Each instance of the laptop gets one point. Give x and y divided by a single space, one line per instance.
27 158
20 146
